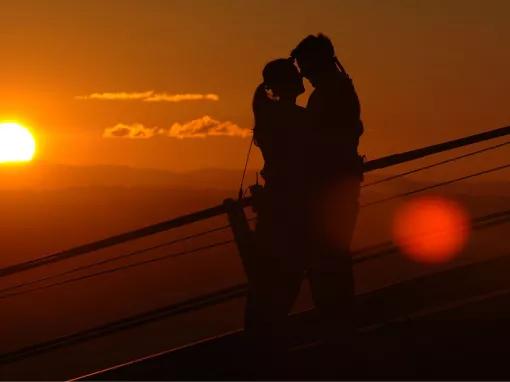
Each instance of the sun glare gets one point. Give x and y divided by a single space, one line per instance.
431 229
17 144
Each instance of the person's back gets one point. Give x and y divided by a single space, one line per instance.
275 271
280 138
281 132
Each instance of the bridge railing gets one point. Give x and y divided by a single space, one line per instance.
239 225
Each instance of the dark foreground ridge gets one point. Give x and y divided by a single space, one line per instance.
449 325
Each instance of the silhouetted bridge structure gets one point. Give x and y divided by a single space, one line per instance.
427 327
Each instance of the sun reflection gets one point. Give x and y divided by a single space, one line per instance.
431 229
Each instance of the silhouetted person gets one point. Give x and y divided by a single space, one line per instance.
335 174
276 268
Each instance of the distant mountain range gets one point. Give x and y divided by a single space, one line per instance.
48 176
42 175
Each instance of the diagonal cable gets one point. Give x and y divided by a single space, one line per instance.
434 165
116 269
393 197
110 259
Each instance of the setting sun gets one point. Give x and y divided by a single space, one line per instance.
17 144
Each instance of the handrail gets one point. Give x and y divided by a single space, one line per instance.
432 165
435 185
112 259
379 163
407 156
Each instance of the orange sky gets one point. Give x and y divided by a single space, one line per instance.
425 71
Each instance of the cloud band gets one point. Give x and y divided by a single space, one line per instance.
148 96
198 128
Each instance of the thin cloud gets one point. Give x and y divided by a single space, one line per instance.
163 97
148 96
131 131
202 127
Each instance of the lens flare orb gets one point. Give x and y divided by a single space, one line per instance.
17 143
431 229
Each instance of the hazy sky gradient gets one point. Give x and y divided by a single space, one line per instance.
425 71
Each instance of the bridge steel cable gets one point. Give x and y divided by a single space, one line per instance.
407 156
8 292
451 181
114 240
4 293
111 259
450 160
486 221
372 165
204 301
116 269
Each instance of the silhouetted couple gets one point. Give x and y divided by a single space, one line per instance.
308 209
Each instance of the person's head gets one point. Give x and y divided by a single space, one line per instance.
315 55
283 79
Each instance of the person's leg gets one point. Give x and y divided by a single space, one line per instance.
330 273
332 286
332 289
266 314
274 283
269 303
